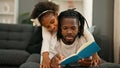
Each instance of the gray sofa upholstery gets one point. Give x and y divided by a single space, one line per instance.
15 51
14 38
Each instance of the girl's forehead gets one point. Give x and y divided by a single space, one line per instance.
47 20
48 14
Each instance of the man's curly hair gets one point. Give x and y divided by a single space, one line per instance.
43 6
71 13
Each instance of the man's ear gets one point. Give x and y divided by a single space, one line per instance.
78 29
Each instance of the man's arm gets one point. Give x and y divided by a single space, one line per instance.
94 61
85 62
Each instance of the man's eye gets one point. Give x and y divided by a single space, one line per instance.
73 28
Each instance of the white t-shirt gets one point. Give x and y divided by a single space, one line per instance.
51 45
66 50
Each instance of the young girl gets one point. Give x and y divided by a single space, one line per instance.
45 15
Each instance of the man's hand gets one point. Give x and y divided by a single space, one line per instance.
96 60
55 61
85 62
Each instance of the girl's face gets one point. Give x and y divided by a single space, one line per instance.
50 22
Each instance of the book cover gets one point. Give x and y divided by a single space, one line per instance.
86 50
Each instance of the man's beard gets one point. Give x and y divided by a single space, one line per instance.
68 39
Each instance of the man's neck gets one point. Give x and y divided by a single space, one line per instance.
67 43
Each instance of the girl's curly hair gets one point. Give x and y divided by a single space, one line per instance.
43 6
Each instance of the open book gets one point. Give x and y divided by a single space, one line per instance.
86 50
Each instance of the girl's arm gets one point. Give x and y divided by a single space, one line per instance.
45 60
46 40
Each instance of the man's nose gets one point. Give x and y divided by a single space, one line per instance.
69 31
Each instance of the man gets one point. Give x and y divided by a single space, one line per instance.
71 35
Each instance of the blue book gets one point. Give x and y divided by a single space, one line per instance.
86 50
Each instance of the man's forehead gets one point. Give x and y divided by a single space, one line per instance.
69 19
70 22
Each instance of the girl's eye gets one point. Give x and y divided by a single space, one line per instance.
64 28
51 22
48 26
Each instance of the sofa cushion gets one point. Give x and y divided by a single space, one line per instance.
14 36
13 57
35 43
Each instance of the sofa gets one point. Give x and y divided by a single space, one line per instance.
14 41
20 46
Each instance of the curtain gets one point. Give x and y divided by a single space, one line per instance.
117 31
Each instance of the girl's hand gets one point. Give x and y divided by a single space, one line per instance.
55 61
40 65
46 60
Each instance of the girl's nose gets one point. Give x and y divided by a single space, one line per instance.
53 28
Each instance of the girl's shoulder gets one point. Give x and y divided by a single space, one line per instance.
45 33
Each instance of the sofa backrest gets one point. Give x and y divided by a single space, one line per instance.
15 36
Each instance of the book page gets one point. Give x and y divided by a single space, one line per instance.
84 46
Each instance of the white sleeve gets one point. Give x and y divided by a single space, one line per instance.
46 40
53 50
88 35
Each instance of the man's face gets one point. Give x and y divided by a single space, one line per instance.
69 30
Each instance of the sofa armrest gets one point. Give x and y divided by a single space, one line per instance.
34 58
13 57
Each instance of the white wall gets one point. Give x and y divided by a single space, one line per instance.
83 6
87 9
64 5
